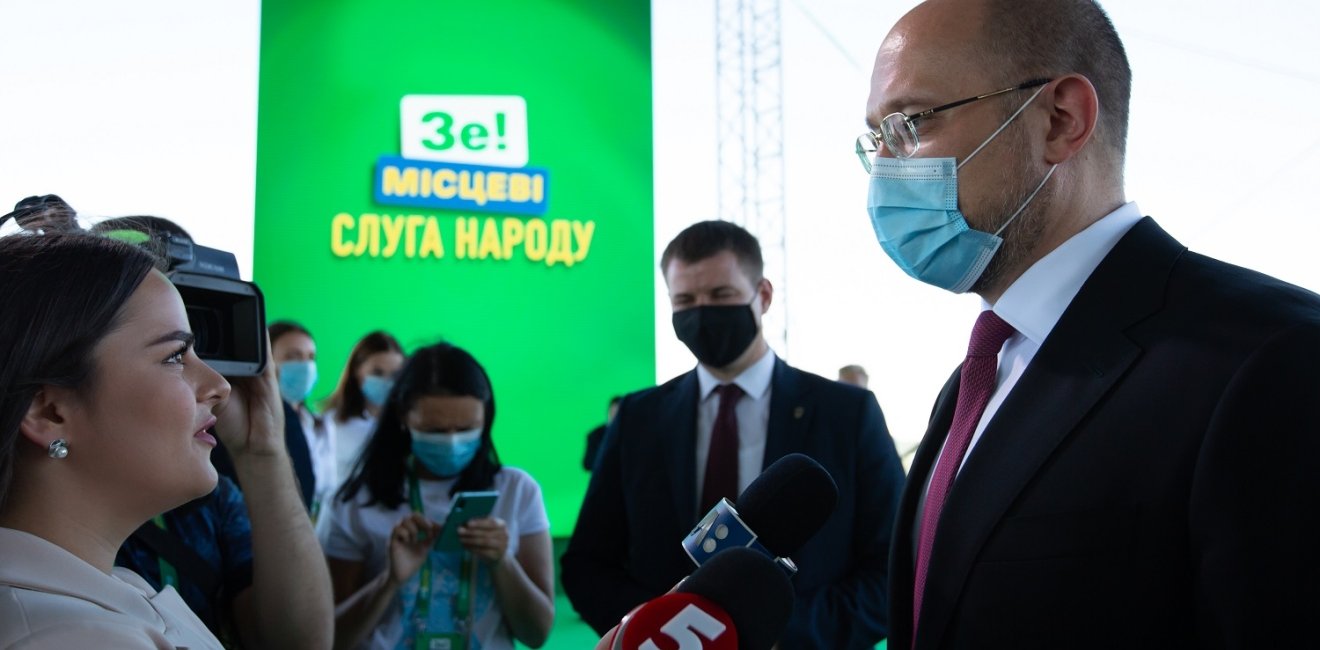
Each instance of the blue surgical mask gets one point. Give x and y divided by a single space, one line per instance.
376 389
446 454
296 380
913 203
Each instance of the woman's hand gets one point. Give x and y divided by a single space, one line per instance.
252 419
486 538
410 542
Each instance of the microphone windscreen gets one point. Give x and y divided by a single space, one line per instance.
788 503
676 621
751 588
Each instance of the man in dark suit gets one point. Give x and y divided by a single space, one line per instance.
1127 457
674 450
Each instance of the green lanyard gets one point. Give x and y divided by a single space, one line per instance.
422 608
168 576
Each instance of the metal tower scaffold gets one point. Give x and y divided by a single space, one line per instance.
750 126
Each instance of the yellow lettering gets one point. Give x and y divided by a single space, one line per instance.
393 227
340 248
471 187
410 242
561 244
465 237
368 235
490 240
538 189
431 242
396 183
535 238
513 235
520 187
446 183
426 182
497 187
582 234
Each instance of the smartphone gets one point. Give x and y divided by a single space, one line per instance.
466 506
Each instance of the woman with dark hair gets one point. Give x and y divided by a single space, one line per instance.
433 441
363 387
106 420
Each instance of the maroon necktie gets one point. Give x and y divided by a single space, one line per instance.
975 386
722 460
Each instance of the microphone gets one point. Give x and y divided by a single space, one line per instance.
776 514
739 600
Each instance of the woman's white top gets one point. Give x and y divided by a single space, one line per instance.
360 533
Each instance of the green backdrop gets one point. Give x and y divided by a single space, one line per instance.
556 301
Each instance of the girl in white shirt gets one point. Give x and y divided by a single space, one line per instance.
393 589
354 406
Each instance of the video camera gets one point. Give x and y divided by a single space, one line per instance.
227 315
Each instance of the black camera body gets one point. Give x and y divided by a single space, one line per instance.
227 315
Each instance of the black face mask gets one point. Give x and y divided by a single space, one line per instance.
716 334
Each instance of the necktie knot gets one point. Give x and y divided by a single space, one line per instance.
988 335
729 392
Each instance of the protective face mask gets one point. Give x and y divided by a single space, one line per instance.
913 204
376 389
716 334
296 380
446 454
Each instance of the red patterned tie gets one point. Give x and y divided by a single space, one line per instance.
975 386
722 460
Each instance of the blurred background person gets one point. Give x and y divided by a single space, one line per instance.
855 375
363 387
294 353
393 588
597 434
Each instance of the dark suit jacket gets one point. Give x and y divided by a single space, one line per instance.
642 502
1152 481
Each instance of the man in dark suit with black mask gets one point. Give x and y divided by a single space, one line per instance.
1128 455
674 450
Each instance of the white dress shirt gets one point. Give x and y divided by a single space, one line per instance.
753 412
1034 303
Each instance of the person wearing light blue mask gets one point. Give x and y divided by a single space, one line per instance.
293 351
1130 437
913 203
432 441
364 386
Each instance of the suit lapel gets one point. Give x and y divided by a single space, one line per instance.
1082 358
786 431
678 425
902 556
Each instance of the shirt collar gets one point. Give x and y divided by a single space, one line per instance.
1034 303
754 381
49 568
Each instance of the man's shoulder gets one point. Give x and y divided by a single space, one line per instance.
659 396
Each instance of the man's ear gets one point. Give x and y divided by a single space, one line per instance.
767 292
44 421
1074 112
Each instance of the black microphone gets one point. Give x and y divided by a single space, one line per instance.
776 514
737 600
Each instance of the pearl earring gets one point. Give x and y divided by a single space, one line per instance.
58 449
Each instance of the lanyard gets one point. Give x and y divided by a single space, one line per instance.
422 608
168 576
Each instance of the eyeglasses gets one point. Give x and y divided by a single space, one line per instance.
898 132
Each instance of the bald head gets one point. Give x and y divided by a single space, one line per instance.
989 44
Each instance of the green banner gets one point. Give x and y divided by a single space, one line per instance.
477 172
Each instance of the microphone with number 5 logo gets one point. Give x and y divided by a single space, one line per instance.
738 600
